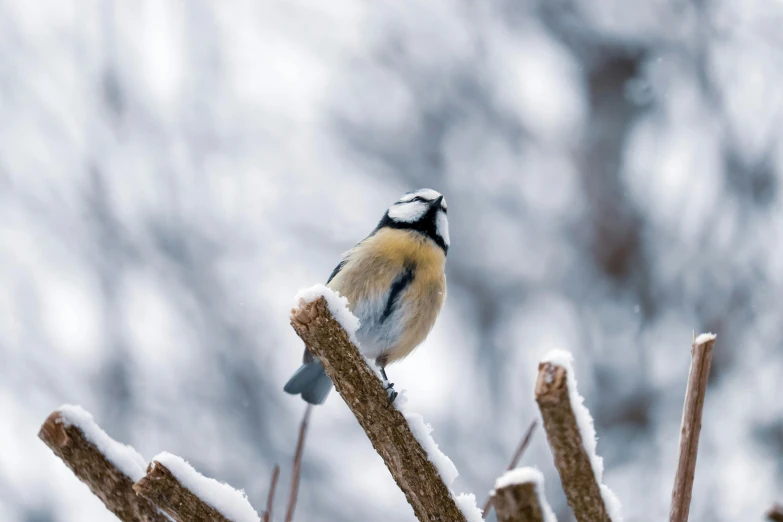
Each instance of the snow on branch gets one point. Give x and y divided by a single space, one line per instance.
106 466
414 469
185 494
115 473
571 436
701 357
519 497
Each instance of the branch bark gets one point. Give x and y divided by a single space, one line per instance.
775 513
565 440
701 357
518 503
385 426
112 486
161 488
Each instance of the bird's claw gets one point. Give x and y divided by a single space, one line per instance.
391 392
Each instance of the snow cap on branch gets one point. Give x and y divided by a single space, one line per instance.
338 306
231 503
584 422
127 459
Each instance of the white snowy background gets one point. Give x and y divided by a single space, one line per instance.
172 173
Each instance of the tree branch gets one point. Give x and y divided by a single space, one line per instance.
701 357
296 469
565 440
161 488
105 480
514 460
775 513
518 503
270 499
385 426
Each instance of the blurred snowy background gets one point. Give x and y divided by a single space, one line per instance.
171 173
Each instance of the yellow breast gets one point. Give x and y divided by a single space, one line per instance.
372 267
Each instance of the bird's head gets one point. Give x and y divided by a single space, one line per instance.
422 211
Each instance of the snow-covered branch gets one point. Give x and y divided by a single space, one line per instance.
571 436
519 497
701 357
106 466
168 489
386 427
186 495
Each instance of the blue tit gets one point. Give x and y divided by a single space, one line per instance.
395 283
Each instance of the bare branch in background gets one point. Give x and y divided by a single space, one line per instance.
385 426
775 513
270 499
565 440
701 357
514 460
161 488
297 467
105 480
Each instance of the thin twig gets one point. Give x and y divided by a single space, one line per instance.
270 499
289 516
514 460
701 357
775 513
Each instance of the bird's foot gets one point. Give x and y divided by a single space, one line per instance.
389 387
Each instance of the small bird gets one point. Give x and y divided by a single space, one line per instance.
395 283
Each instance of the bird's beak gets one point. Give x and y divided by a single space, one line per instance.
436 203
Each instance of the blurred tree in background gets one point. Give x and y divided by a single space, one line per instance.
172 173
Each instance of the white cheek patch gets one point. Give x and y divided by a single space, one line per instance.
443 226
408 212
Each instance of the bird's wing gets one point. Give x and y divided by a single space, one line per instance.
337 269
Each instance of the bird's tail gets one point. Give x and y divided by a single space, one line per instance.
311 381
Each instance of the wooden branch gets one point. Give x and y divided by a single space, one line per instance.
270 499
514 460
518 503
161 488
775 513
701 357
385 426
297 467
565 440
105 480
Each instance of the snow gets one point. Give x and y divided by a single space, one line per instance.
338 305
519 476
231 503
421 430
705 338
466 502
446 468
524 476
124 457
584 422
